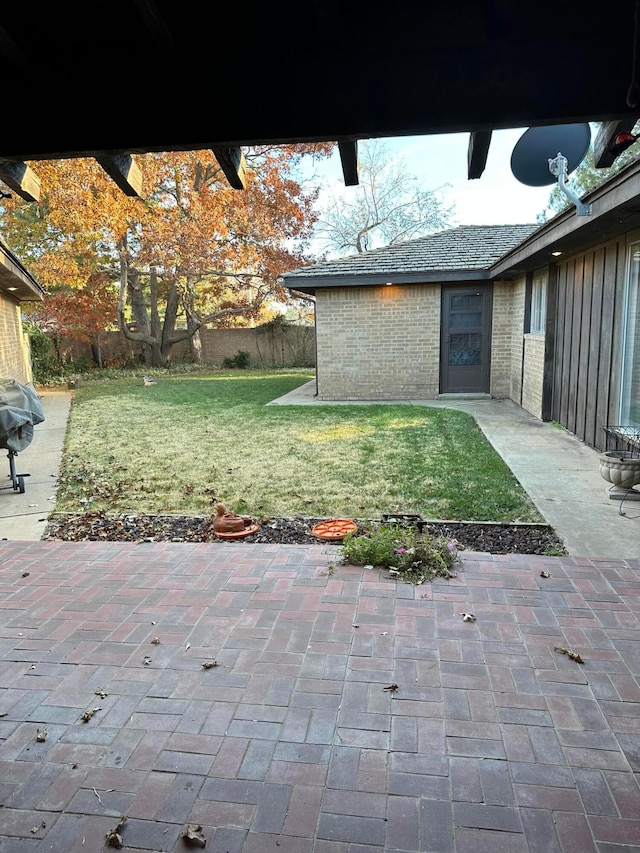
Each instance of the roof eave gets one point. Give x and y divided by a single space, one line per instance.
15 281
309 284
615 210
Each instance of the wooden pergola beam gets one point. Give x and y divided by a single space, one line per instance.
10 51
479 142
233 164
124 171
21 179
155 24
604 147
349 159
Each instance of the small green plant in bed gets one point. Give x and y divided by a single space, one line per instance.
407 553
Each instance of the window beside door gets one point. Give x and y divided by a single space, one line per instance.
538 314
630 388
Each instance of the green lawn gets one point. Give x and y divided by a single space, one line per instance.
189 440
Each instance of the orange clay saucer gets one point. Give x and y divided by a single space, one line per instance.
238 534
334 529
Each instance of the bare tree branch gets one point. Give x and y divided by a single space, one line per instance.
388 206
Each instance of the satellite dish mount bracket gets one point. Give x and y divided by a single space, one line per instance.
558 167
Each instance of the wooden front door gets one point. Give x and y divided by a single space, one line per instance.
465 352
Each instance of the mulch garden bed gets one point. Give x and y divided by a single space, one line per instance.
471 536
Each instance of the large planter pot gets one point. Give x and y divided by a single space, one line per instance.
621 468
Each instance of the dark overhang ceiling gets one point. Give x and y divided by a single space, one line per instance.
121 77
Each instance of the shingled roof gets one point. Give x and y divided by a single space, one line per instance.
457 254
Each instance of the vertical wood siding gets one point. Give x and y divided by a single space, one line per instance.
558 406
585 378
576 326
595 411
583 391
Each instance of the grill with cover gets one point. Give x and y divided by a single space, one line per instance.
20 411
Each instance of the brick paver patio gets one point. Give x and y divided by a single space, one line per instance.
493 741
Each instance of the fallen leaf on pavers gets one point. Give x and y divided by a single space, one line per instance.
114 839
35 829
209 664
392 688
156 641
573 655
101 693
468 617
88 714
192 836
147 660
41 735
545 575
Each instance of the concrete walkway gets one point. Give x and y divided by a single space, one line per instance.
23 516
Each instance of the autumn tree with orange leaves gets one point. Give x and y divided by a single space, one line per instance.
193 247
81 314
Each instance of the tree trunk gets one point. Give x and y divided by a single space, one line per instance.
96 354
195 344
193 321
56 347
156 336
169 325
139 309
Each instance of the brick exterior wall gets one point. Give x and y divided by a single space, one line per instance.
518 296
517 359
15 358
533 373
378 343
501 343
